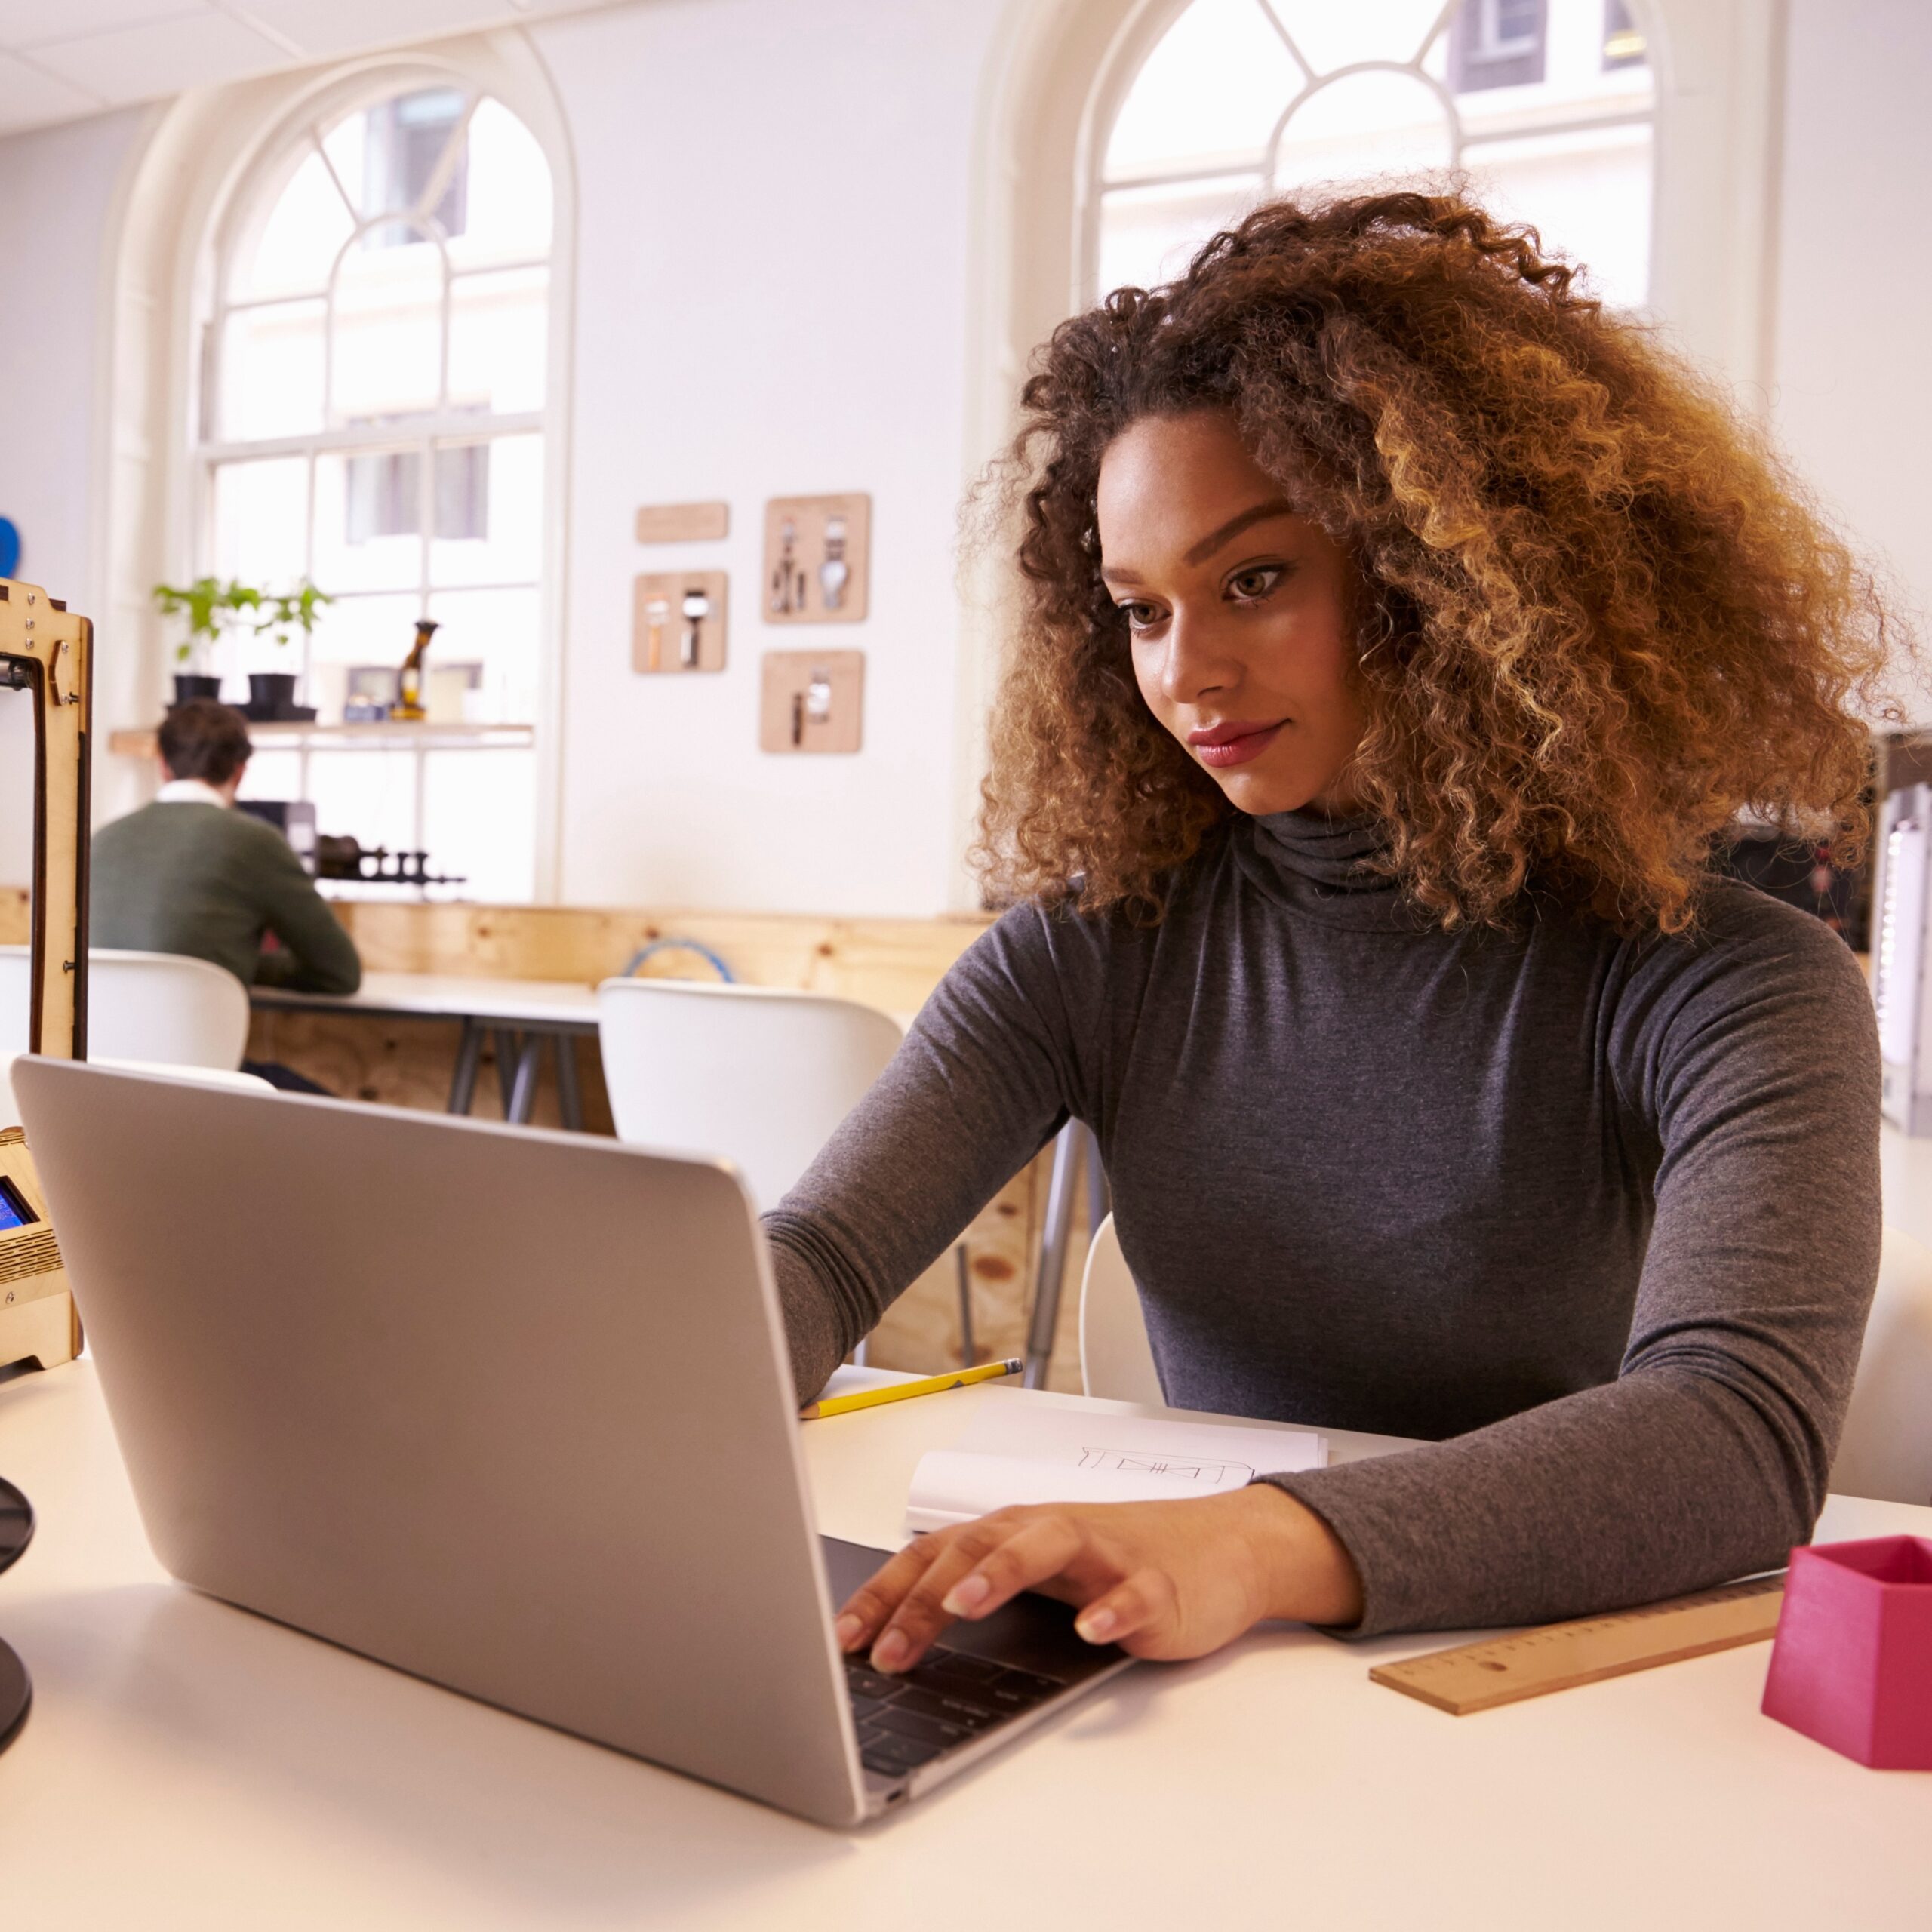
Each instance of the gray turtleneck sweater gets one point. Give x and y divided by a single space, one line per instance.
1597 1216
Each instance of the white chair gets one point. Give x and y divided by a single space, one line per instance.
761 1076
194 1076
159 1008
1115 1360
1886 1449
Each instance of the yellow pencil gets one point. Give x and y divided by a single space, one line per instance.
901 1392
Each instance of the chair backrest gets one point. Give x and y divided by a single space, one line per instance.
198 1076
761 1076
1886 1449
1115 1360
160 1007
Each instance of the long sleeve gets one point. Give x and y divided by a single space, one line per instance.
319 956
1707 1457
986 1076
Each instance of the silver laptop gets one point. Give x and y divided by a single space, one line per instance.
507 1409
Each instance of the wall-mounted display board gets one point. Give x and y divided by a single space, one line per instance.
678 621
818 558
683 523
812 701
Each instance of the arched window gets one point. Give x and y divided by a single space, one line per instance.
1548 104
371 421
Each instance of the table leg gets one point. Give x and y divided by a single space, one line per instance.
523 1090
1054 1235
569 1100
469 1061
506 1063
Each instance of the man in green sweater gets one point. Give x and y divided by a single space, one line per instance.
189 874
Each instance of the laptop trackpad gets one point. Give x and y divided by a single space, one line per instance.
1032 1633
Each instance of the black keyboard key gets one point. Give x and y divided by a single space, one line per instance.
956 1668
1024 1680
865 1707
905 1754
887 1767
927 1730
864 1683
947 1709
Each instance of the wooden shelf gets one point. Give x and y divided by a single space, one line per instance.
398 738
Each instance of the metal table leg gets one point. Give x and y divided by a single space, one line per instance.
570 1101
1054 1238
523 1089
469 1061
506 1043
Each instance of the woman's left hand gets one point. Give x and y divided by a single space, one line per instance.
1161 1579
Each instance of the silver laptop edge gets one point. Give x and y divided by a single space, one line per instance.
502 1407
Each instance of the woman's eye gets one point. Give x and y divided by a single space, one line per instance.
1139 617
1250 586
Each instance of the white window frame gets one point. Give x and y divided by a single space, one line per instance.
182 188
1461 141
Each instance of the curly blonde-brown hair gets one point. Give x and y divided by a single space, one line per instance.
1595 618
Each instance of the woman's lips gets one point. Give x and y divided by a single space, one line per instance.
1233 743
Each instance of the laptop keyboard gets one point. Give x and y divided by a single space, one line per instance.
907 1720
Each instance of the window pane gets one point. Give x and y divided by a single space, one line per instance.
272 774
406 152
1588 192
261 512
480 820
367 794
271 371
489 512
1327 35
509 208
291 252
1362 126
497 629
1148 234
359 633
499 340
389 327
369 521
1211 92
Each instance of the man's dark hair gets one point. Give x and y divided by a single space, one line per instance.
205 740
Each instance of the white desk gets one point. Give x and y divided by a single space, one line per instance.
188 1766
522 1013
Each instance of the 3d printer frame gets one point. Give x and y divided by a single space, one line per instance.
48 652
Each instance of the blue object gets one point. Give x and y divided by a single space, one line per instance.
10 546
704 952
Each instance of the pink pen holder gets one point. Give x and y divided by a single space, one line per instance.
1852 1663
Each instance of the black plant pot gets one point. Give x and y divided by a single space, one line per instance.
271 695
187 687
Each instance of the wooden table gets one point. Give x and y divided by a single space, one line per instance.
525 1015
189 1766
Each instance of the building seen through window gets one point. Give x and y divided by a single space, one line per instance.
373 422
1547 105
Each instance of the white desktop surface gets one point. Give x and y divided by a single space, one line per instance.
452 995
189 1765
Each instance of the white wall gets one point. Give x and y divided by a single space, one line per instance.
56 187
1852 401
773 299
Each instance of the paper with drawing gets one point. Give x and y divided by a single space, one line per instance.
1025 1452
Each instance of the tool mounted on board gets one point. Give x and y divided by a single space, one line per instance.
48 652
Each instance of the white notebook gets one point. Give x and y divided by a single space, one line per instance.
1025 1452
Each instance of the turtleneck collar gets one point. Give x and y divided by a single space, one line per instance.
1319 865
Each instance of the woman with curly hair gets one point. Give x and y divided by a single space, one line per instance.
1400 631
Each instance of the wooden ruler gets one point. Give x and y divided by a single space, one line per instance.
1473 1677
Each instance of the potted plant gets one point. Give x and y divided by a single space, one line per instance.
272 694
208 605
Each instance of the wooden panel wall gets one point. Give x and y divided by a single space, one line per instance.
890 963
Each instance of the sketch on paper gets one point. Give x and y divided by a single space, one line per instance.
1186 1468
